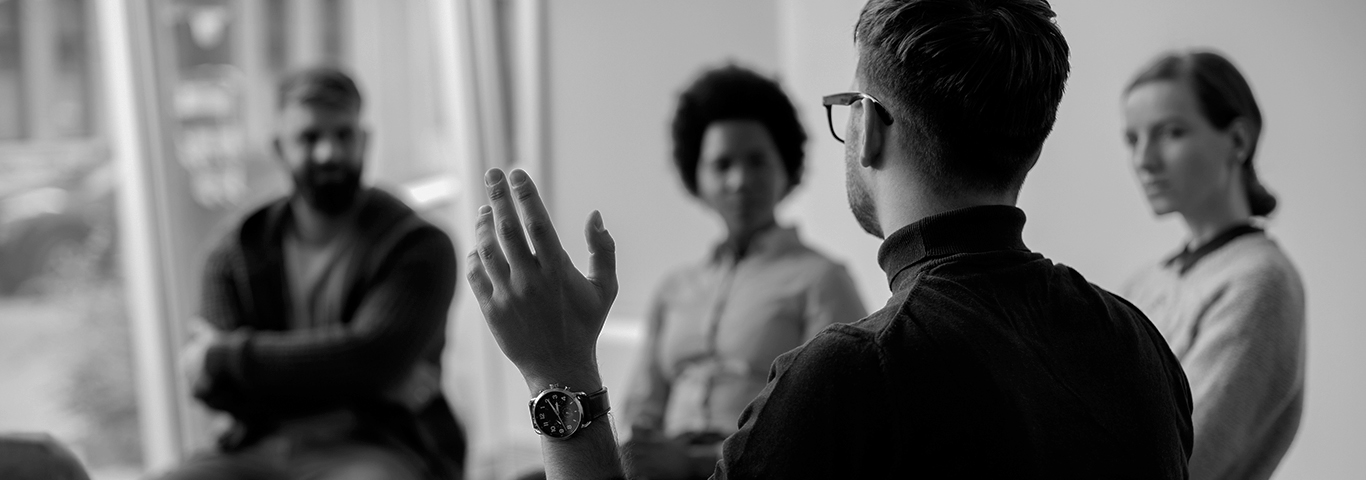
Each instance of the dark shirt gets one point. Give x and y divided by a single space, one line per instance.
989 361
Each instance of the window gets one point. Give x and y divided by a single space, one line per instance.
70 102
11 77
333 32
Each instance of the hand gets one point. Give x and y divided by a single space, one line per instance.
202 336
544 313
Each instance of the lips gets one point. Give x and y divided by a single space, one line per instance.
1154 186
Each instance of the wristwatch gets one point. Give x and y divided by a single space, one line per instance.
559 412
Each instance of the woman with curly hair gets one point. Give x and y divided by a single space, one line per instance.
714 327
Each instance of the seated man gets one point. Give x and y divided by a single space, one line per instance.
989 361
328 311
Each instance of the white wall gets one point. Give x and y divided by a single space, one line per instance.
1304 62
616 68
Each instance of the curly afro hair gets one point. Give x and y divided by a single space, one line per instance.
735 93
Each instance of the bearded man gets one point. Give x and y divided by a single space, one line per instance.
324 316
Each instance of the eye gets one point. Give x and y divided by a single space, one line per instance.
757 161
1130 139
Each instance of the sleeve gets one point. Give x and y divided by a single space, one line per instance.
647 394
219 301
1246 368
832 299
811 420
402 314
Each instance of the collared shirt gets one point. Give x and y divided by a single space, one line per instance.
989 361
1233 312
1186 259
714 329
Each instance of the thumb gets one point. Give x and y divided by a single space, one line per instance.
602 266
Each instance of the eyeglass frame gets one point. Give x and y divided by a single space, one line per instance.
846 99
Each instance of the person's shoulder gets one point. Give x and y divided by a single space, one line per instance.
679 274
243 223
1251 262
797 247
878 326
841 345
386 213
1258 254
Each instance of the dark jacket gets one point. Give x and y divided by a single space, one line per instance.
393 318
989 361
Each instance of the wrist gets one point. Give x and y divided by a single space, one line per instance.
585 379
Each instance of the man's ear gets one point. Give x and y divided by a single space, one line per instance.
1241 136
874 133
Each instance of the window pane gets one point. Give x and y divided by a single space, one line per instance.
11 79
203 33
71 113
64 337
277 40
334 40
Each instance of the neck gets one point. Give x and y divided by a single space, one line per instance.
1205 224
910 200
738 240
315 227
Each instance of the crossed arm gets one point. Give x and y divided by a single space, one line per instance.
394 325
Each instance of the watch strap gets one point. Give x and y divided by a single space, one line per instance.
595 405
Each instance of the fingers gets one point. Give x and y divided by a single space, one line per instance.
486 248
478 278
505 220
538 224
602 248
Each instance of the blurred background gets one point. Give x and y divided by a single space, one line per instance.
131 130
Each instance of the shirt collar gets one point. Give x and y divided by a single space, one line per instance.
774 239
1187 257
967 230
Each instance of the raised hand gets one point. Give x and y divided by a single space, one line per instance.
544 313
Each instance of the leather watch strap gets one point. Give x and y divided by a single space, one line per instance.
595 404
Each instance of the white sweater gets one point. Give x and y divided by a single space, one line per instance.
1235 319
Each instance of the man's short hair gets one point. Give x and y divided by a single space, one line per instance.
325 86
975 84
735 93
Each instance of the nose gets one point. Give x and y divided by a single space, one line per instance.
328 150
1146 156
737 178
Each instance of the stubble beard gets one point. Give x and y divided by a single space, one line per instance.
860 201
331 198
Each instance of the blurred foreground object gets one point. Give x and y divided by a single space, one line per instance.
37 456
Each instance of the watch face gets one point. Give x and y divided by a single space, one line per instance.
556 413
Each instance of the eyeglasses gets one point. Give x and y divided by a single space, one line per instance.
847 99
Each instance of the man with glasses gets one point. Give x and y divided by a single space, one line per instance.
989 361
